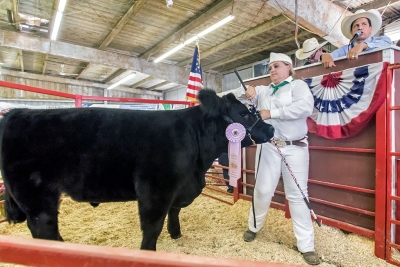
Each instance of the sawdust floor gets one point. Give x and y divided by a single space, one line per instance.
209 228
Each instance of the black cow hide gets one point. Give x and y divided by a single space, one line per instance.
158 158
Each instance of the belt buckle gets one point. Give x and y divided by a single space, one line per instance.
280 143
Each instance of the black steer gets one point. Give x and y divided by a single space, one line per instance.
158 158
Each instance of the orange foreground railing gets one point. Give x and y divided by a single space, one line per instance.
44 253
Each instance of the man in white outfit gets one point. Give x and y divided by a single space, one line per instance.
285 103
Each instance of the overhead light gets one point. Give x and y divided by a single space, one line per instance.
191 40
216 25
57 21
130 76
170 52
194 38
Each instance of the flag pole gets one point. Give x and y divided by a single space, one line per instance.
198 48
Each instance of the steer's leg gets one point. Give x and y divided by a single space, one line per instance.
42 215
152 212
173 226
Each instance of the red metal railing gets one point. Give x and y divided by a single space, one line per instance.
44 253
79 98
393 167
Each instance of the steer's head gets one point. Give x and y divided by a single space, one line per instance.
232 110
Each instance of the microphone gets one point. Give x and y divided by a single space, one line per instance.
358 33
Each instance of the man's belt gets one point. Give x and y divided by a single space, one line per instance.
282 143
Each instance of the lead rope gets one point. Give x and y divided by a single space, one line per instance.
254 188
295 180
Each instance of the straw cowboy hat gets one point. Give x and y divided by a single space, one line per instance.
279 57
310 46
373 15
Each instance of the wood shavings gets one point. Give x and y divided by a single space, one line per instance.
209 228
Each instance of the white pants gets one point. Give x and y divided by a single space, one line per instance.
270 167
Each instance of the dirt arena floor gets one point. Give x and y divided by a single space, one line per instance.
209 228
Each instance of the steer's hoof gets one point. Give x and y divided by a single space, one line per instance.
176 236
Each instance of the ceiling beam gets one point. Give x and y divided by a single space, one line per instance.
250 52
322 17
17 27
177 35
173 74
263 27
145 80
135 7
15 14
46 57
114 75
132 11
21 60
291 52
174 88
51 24
375 5
158 85
54 79
84 70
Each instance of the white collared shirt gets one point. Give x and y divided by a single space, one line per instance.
289 107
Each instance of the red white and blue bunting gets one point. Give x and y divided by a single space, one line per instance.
345 101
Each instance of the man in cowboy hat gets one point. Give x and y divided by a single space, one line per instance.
311 51
368 24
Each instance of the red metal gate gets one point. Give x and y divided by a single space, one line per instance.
393 166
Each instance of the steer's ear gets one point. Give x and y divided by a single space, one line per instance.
211 104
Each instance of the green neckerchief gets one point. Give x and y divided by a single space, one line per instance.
276 87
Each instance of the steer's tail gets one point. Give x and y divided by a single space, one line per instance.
13 211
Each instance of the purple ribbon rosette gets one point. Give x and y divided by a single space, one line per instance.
235 133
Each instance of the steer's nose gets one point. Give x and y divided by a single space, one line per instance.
270 133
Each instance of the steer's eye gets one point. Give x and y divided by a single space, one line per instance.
243 114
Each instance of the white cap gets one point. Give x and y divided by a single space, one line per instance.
279 57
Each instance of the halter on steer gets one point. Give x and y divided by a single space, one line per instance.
254 109
248 129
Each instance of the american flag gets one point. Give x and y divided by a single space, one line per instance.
195 83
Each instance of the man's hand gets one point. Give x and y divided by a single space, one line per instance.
265 114
250 92
327 61
356 50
